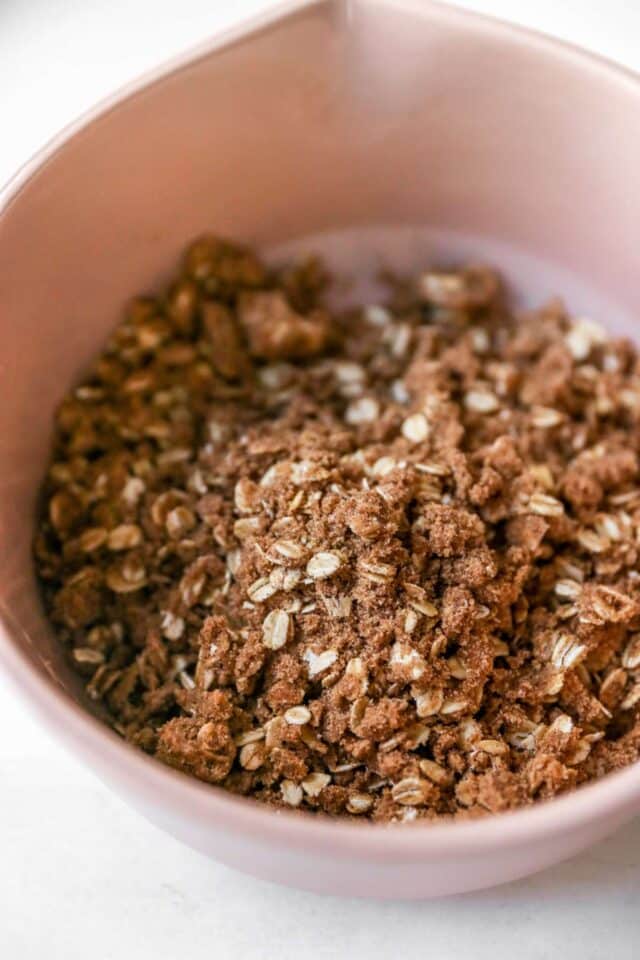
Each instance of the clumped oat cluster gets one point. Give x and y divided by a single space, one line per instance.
380 564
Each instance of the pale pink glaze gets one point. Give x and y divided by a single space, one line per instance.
314 119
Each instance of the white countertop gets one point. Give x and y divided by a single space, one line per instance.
81 875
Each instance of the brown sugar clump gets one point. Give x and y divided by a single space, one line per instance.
380 564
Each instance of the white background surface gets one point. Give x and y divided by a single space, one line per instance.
83 876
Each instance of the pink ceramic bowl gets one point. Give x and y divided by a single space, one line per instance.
395 130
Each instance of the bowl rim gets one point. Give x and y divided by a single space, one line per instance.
137 773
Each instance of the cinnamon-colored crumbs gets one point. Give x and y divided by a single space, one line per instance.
380 564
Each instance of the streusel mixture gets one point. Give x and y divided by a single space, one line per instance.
379 564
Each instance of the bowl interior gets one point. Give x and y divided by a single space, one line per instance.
397 135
